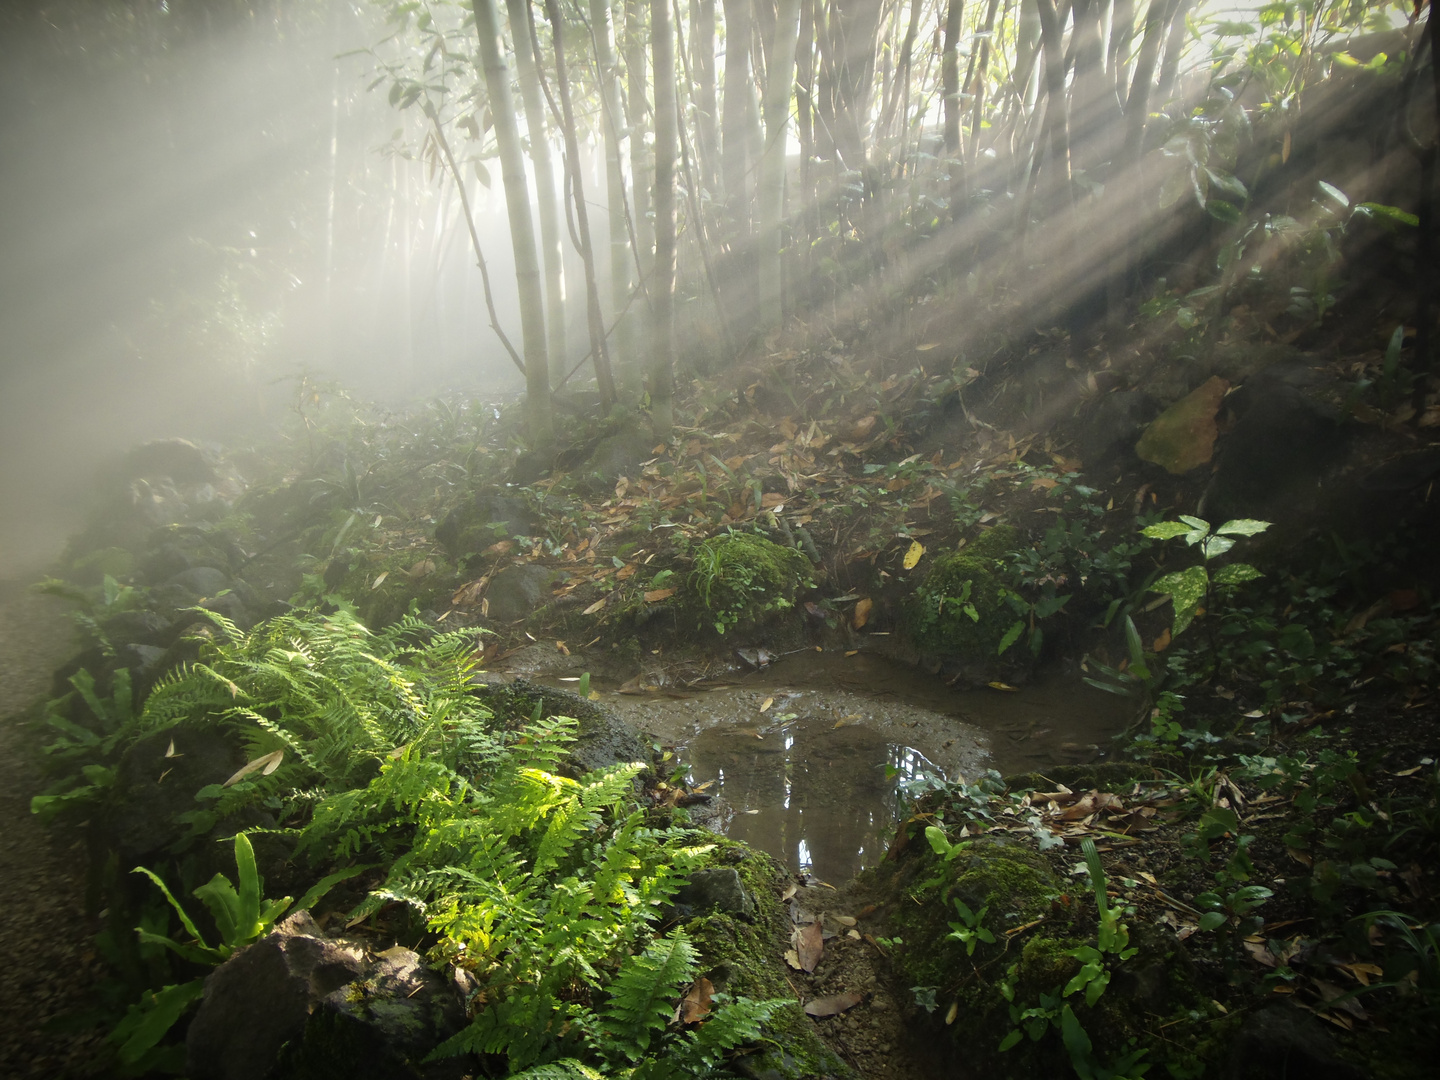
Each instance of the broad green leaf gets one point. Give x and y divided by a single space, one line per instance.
148 1022
184 918
1242 527
1224 211
939 842
1011 636
328 882
1215 545
1186 588
1388 213
1212 920
1011 1040
248 896
1235 574
224 903
1165 530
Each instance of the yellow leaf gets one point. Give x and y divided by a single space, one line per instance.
1000 686
596 606
912 556
927 346
765 705
1162 642
862 612
380 580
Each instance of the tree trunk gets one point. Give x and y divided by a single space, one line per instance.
662 334
1056 137
1174 48
779 79
637 108
738 103
950 87
599 350
522 229
612 124
707 130
545 189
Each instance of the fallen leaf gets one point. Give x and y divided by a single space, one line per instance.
912 556
1161 643
170 751
695 1005
561 647
1002 686
790 891
379 581
654 596
833 1005
862 612
927 346
793 959
264 765
596 606
809 945
952 1013
765 705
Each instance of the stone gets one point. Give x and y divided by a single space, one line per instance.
152 786
517 591
484 520
262 997
1110 427
715 889
602 740
381 1023
179 459
165 562
204 581
1283 1040
136 628
1281 448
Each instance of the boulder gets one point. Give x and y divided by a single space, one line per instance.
153 783
603 739
715 889
262 997
517 591
484 520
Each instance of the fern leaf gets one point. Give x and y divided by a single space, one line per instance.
641 993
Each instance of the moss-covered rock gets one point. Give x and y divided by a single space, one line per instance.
741 956
743 581
959 615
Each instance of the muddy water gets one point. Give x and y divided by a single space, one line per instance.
810 750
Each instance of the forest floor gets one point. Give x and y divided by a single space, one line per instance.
1268 822
46 937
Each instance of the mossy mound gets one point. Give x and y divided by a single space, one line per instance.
1037 919
960 612
742 958
741 581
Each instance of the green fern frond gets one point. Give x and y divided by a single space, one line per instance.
642 991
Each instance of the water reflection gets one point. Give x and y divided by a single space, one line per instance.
811 792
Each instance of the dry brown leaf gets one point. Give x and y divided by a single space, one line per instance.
862 612
765 705
593 608
809 945
695 1005
654 596
833 1005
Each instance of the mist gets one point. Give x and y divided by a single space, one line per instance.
199 208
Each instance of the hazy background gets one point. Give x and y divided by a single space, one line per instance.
198 201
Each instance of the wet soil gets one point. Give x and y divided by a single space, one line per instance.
46 941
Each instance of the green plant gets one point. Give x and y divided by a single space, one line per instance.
969 931
241 917
1188 589
741 578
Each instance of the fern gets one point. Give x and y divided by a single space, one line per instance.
642 991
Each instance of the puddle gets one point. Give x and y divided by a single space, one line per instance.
813 775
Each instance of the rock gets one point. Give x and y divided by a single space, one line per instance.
517 591
151 788
1111 426
136 628
203 581
616 456
1281 447
165 562
603 739
376 1026
179 459
262 997
484 520
1283 1040
716 888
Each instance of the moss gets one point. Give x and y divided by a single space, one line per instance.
961 609
742 959
741 580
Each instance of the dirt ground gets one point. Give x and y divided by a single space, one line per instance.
46 942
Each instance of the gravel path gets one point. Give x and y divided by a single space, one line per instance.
46 943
